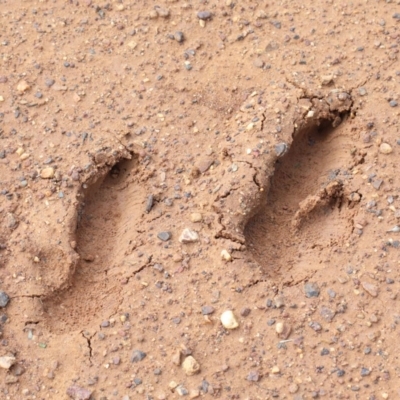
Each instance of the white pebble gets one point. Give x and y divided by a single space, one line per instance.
228 320
225 255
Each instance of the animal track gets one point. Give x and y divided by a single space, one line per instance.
307 214
106 229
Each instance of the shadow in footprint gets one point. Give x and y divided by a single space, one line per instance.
306 216
106 226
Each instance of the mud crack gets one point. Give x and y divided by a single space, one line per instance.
88 339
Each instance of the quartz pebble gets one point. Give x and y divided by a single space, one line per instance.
283 330
190 366
188 236
47 173
385 148
7 361
196 217
228 320
225 255
23 86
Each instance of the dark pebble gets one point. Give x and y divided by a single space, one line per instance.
393 103
137 356
281 149
179 36
396 16
157 371
207 310
340 372
324 352
105 324
204 386
276 24
331 293
311 289
149 203
164 236
365 371
4 299
316 326
244 312
253 376
49 82
137 381
270 322
204 15
367 350
38 95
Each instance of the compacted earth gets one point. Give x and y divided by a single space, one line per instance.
163 164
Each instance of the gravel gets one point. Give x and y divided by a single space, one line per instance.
311 290
4 299
137 356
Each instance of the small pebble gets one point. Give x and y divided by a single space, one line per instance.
362 91
365 371
7 362
225 255
324 351
188 236
258 63
162 12
196 217
47 173
385 148
283 329
228 320
4 299
281 149
204 15
311 289
181 390
370 288
190 366
137 356
393 103
49 82
244 312
164 236
179 37
275 370
23 86
293 388
207 310
253 376
77 393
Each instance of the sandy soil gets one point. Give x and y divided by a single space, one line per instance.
266 132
